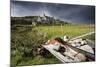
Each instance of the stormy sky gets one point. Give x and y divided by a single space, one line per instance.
66 12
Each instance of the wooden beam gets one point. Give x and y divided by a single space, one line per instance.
87 54
58 55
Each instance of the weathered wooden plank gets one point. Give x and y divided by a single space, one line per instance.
87 54
58 55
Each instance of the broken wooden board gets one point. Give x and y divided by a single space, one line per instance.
86 45
67 57
87 54
57 54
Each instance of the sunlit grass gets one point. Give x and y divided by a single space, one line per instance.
69 30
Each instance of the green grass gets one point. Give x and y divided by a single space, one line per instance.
38 60
22 41
69 30
40 34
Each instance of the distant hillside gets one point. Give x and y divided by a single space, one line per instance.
36 20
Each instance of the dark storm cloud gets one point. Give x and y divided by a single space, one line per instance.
25 9
66 12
